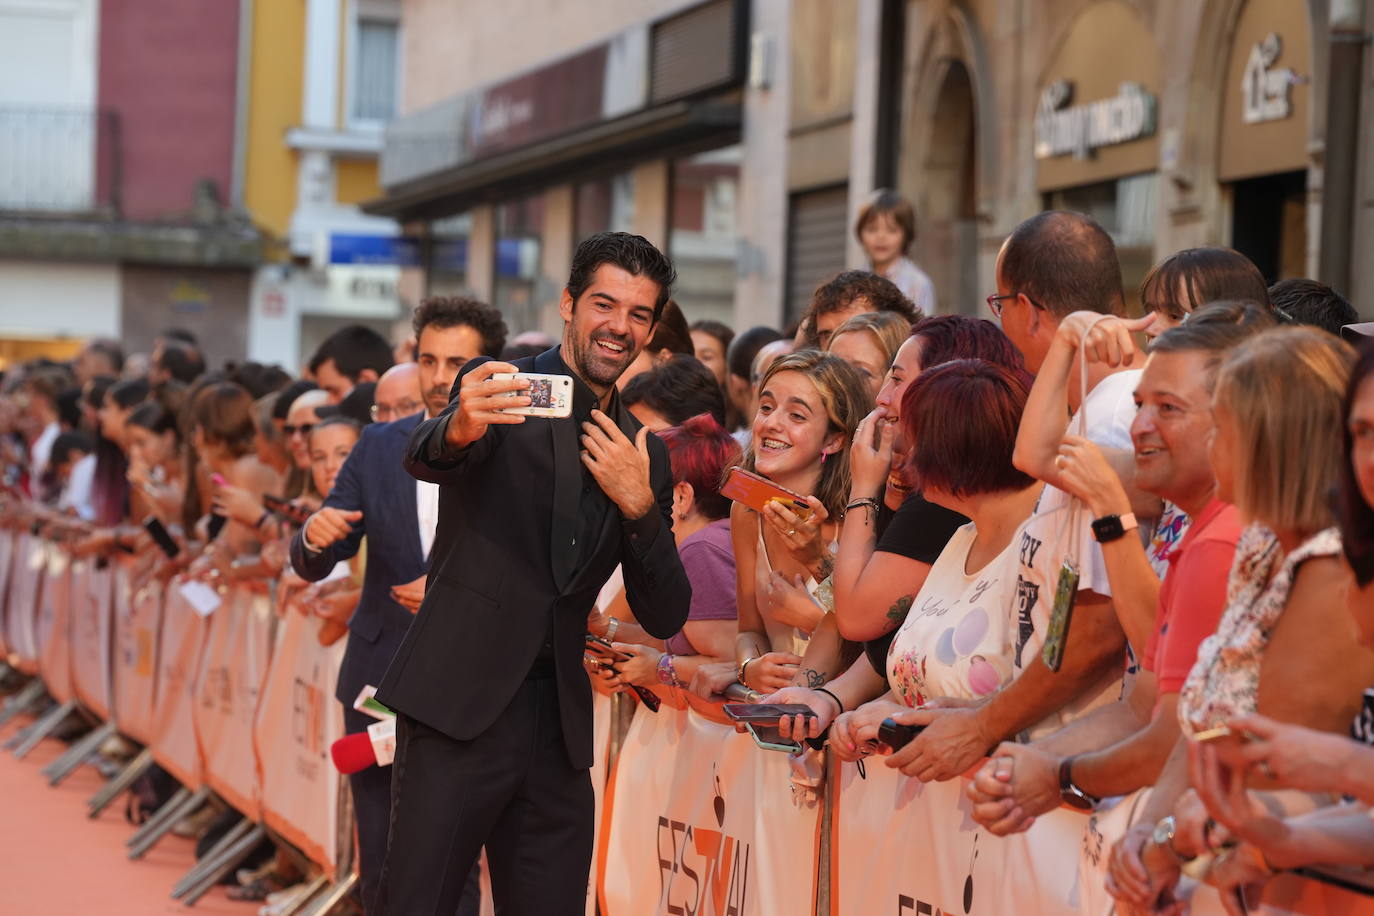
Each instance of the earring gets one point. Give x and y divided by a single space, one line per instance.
823 455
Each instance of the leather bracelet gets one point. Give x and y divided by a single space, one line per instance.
831 695
865 501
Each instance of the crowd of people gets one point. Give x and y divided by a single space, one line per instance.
1094 559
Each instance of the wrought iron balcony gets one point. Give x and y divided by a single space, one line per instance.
59 161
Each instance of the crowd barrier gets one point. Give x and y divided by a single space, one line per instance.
691 818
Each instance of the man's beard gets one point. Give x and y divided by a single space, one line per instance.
596 366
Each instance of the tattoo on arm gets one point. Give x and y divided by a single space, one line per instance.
897 613
811 678
827 566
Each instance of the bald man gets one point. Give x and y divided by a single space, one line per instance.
398 393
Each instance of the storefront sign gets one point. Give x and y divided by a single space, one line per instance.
1267 90
1062 129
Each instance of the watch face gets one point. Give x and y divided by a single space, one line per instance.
1076 799
1108 528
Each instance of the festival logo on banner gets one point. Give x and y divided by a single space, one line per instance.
701 865
912 906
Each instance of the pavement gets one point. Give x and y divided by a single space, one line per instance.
55 861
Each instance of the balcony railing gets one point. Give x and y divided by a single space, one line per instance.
59 161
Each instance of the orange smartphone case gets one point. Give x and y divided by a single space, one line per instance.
754 491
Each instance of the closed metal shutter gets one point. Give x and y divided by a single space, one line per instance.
694 51
817 232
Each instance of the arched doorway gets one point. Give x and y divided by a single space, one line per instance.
947 243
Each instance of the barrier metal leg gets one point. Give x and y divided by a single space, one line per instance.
169 809
151 833
43 728
335 895
22 700
77 754
235 854
121 781
305 896
213 857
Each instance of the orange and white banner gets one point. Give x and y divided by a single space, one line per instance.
180 640
297 722
51 625
711 817
238 648
137 624
7 553
92 594
26 580
602 717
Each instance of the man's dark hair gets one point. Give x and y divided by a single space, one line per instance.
840 291
739 358
260 379
181 335
632 254
677 389
1312 303
68 442
182 361
353 348
671 332
1064 262
110 349
1215 329
355 406
455 311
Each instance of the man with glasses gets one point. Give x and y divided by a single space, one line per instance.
398 393
374 495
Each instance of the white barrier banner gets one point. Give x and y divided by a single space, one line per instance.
602 713
30 563
137 623
297 722
92 594
179 644
52 625
900 846
712 816
238 648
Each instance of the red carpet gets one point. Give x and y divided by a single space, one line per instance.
54 861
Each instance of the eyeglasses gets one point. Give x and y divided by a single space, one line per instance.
384 412
304 429
995 302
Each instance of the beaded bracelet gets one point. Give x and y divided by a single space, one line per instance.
666 673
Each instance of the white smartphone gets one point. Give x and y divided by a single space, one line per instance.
550 395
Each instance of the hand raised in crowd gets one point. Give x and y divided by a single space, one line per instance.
236 503
802 535
951 743
870 455
799 728
771 671
641 669
1085 473
480 402
1018 784
1221 790
410 595
792 604
329 525
854 734
620 467
1104 338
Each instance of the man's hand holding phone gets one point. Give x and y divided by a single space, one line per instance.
480 402
328 526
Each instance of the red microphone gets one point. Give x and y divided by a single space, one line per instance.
360 750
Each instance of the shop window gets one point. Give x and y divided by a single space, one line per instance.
376 71
605 205
1126 209
519 242
703 237
1269 223
446 265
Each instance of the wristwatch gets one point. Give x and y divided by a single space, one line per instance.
1109 528
1163 837
1069 793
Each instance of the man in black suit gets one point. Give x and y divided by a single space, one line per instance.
374 496
494 735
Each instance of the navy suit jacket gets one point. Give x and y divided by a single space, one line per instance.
373 480
507 569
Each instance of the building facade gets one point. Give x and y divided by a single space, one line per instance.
1175 123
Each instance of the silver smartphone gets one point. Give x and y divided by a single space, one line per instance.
550 395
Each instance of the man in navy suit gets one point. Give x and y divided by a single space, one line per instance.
374 496
494 727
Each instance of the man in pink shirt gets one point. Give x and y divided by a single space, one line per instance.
1122 747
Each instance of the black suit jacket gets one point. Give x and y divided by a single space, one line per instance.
503 573
373 480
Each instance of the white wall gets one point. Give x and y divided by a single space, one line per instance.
54 299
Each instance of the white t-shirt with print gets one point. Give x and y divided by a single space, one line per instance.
958 637
1050 535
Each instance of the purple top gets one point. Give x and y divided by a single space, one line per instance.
708 558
